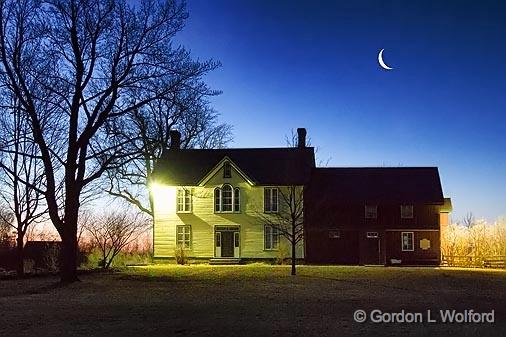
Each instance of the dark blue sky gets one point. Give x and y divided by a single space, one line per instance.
289 64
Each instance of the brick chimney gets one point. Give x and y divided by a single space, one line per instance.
301 137
175 139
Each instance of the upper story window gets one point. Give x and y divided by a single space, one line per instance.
227 199
184 200
407 239
371 212
227 170
406 211
237 199
271 200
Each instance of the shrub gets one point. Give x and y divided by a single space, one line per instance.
282 254
180 255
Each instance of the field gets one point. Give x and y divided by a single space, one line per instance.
251 300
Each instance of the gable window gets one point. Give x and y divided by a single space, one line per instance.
271 238
371 212
183 236
271 200
406 211
407 241
334 234
227 199
227 170
184 200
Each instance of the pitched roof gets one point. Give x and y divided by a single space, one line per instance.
265 166
381 185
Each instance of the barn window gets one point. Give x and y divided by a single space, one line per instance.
407 211
371 212
372 235
334 234
407 241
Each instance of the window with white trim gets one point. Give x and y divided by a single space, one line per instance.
184 200
227 199
407 240
237 199
183 236
271 238
371 211
406 211
372 235
217 200
271 200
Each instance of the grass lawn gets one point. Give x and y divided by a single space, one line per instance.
250 300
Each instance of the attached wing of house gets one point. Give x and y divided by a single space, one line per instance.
375 215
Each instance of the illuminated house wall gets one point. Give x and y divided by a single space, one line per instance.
203 219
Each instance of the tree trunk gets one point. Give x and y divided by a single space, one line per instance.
68 263
20 266
293 251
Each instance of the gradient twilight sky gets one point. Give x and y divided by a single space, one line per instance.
313 64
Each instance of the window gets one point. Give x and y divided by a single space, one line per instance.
218 239
183 236
227 199
184 200
237 199
271 238
217 200
236 240
372 235
227 170
334 234
406 211
270 200
407 241
371 212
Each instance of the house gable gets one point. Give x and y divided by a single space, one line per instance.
217 170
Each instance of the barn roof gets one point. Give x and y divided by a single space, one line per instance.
377 185
264 166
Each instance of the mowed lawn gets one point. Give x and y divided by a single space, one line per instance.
250 300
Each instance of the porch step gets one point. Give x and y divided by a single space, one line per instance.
218 261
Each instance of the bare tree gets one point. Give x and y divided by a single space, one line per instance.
6 218
113 232
288 221
152 124
21 176
78 69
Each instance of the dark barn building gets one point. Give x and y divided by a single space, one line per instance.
374 216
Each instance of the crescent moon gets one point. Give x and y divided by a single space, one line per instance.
381 62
